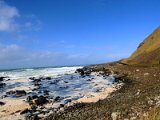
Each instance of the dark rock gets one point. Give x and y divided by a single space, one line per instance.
54 82
67 101
80 71
122 78
64 87
41 100
8 79
46 92
20 93
57 99
17 93
37 84
2 78
25 111
48 78
34 97
17 111
34 107
2 85
32 78
4 96
89 80
61 105
29 98
37 80
72 78
97 90
2 103
32 117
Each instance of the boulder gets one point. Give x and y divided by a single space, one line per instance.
2 85
32 117
80 71
25 111
17 93
57 99
46 92
48 78
2 78
40 100
2 103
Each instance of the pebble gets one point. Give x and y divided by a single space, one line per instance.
146 74
2 103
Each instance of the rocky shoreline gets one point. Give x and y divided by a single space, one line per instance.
137 99
42 104
135 96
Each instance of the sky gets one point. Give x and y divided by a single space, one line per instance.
39 33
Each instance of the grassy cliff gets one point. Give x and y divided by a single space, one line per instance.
148 52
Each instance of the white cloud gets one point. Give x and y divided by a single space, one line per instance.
12 21
8 15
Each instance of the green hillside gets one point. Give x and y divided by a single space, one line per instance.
148 52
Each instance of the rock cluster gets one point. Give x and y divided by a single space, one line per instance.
17 93
1 82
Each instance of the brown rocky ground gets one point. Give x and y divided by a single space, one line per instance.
138 99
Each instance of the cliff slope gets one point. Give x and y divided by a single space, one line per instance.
148 52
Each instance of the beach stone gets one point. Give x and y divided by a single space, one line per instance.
67 101
84 71
41 100
37 80
29 98
25 111
64 87
37 84
115 115
48 78
2 85
32 78
34 96
34 107
146 74
57 99
2 103
54 82
32 117
89 80
80 71
61 105
2 78
46 92
17 93
20 93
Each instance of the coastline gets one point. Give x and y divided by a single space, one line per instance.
136 96
24 108
135 100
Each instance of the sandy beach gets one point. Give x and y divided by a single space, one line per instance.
12 109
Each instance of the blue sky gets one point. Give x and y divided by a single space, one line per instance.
68 32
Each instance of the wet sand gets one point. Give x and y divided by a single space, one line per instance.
94 97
